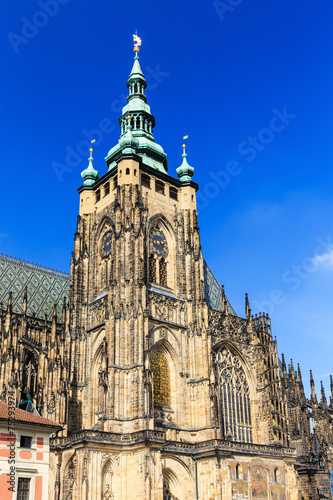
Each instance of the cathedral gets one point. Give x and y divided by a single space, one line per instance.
162 391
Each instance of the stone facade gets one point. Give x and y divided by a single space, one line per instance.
161 396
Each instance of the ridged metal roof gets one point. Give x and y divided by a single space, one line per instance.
46 287
213 292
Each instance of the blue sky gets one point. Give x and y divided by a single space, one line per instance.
249 82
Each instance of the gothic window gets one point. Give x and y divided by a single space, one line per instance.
167 495
276 475
163 271
161 379
235 404
152 269
158 250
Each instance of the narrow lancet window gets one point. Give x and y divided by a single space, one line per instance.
152 269
163 272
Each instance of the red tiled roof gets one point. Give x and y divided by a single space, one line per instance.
25 416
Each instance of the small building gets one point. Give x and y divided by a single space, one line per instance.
24 454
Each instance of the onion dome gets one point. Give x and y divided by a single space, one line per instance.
185 172
89 175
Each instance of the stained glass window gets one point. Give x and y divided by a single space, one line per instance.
161 379
234 397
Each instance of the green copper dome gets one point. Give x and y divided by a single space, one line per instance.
89 175
185 172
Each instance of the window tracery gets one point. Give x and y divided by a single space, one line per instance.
234 394
158 252
167 495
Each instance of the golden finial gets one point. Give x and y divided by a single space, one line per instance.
137 42
91 149
184 145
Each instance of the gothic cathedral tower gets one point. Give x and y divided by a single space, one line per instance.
170 394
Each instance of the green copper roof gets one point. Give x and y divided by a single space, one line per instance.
137 114
185 172
89 175
136 70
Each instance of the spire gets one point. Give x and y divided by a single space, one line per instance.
141 122
313 392
323 396
63 319
25 300
247 307
185 172
224 302
299 376
89 175
9 303
284 367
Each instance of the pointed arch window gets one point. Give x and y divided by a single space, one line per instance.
161 379
167 495
235 404
158 250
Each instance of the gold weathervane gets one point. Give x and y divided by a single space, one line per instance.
137 43
184 145
92 142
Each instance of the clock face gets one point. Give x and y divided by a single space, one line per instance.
106 244
158 243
